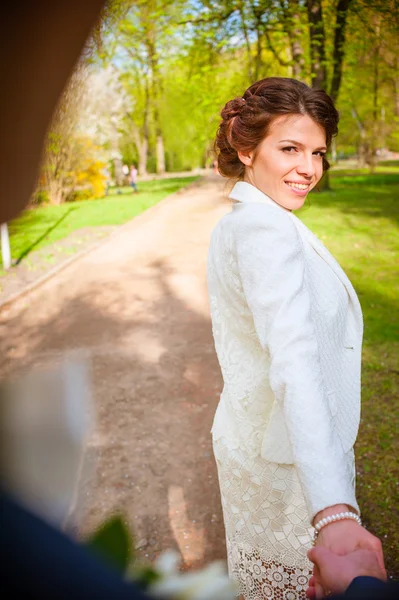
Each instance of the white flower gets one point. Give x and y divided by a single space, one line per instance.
278 577
300 579
167 563
290 595
242 574
267 591
249 582
235 555
211 582
257 569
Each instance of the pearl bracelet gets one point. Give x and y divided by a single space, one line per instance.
331 519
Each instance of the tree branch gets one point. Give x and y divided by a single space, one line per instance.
283 63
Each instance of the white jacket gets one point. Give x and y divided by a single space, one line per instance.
288 331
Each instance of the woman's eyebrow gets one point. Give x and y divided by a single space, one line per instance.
291 142
300 144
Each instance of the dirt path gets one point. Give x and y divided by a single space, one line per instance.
137 308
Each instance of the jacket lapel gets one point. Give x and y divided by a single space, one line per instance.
322 251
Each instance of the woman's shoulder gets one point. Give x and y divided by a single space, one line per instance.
258 216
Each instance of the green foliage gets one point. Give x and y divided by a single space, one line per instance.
175 63
369 98
143 575
112 541
72 170
209 51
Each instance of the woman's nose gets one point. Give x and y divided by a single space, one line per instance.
306 166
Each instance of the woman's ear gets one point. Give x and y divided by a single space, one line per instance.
245 158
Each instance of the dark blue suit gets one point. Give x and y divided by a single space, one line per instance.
369 588
40 562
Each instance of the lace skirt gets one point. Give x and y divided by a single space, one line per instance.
267 525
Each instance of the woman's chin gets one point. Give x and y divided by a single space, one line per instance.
292 202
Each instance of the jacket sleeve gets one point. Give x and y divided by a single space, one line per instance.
369 588
275 282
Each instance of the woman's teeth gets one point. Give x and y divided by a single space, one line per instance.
298 186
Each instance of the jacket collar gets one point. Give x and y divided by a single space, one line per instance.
246 192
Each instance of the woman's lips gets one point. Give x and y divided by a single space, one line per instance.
300 189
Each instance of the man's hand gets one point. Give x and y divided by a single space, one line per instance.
334 573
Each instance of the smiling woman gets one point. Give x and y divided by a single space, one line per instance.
287 326
287 169
280 129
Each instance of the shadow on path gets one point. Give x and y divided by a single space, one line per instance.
28 250
156 384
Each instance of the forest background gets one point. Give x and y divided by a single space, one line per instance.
156 73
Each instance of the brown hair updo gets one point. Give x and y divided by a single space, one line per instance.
247 120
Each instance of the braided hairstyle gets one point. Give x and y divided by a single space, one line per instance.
246 120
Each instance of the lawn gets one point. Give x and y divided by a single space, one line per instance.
41 226
358 221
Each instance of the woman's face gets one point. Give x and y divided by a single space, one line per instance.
288 163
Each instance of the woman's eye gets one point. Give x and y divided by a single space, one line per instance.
319 153
289 149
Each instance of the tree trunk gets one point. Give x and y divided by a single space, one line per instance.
372 158
362 151
258 57
362 146
119 176
396 86
142 149
334 150
155 90
56 191
141 143
339 46
317 41
141 140
297 60
324 183
116 155
294 34
160 154
247 45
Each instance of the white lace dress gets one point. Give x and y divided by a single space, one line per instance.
287 327
267 525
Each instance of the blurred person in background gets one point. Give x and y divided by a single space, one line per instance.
133 178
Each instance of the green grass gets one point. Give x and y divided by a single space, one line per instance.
38 227
358 221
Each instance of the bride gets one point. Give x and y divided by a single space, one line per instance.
288 328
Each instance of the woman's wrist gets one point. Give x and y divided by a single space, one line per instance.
332 510
339 517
